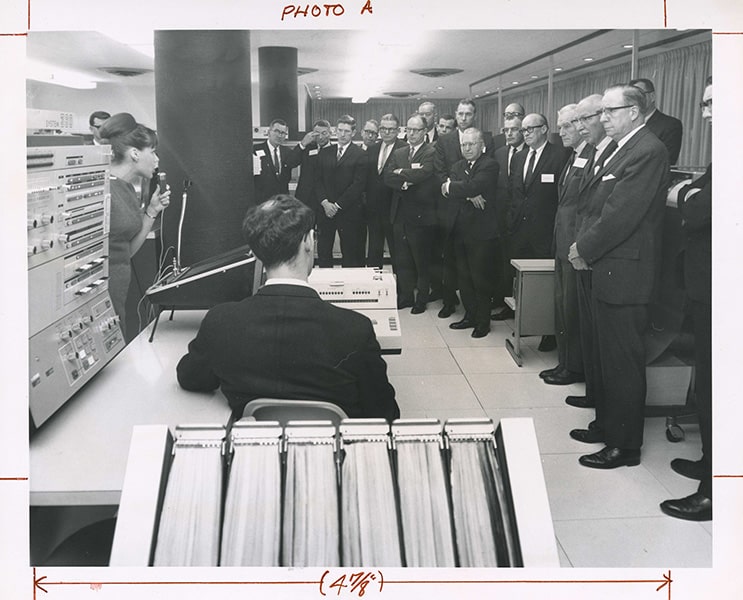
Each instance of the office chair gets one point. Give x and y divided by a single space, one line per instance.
281 410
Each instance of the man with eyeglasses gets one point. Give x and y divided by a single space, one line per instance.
305 155
694 201
513 111
410 173
569 367
533 199
619 239
272 164
667 129
447 123
449 152
339 190
514 140
378 195
471 188
369 134
428 111
600 147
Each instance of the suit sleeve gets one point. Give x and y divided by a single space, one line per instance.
673 140
426 170
194 371
321 192
293 157
375 391
627 203
439 161
482 181
696 209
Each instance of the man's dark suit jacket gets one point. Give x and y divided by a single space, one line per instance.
286 342
567 202
668 130
379 195
267 183
531 214
620 230
448 152
468 183
307 161
342 182
415 205
502 190
696 211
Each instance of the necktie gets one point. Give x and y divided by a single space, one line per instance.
608 151
530 166
383 157
276 161
340 152
412 151
511 152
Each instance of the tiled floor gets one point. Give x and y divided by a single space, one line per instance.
601 518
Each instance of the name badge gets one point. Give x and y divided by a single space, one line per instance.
260 153
416 166
548 178
580 163
313 152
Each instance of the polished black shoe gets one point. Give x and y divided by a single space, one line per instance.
463 324
547 344
418 308
696 507
564 377
446 311
404 304
580 402
611 458
502 315
693 469
587 436
480 331
551 371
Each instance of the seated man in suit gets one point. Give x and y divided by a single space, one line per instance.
471 188
285 341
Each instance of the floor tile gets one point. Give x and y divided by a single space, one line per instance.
635 542
577 492
422 361
418 331
434 392
518 390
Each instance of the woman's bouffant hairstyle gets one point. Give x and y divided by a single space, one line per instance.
123 132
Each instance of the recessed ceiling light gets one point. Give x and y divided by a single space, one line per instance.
628 46
514 83
587 59
440 87
477 95
558 68
535 76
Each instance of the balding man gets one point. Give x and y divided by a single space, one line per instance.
428 111
471 189
569 368
619 239
533 201
666 128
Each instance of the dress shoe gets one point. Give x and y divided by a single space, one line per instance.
480 331
564 377
693 469
587 436
502 315
446 311
463 324
696 507
418 308
547 344
580 402
404 304
611 458
551 371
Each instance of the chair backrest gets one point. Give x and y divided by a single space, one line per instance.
281 410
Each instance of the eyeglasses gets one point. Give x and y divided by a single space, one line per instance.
279 132
525 130
388 129
414 129
585 119
507 130
511 115
370 131
705 104
609 110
